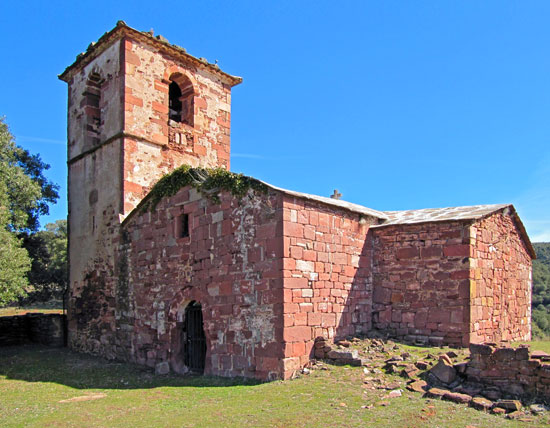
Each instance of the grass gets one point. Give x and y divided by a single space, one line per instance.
36 382
53 307
539 345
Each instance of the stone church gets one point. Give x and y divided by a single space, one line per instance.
241 283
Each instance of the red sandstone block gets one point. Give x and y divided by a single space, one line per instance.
340 258
297 334
314 319
289 263
199 150
130 99
132 58
268 230
296 282
439 315
407 253
300 318
200 102
324 220
309 232
288 320
296 252
328 320
431 252
161 86
457 250
160 108
303 217
293 229
460 274
309 255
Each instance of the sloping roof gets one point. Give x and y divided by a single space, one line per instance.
442 214
159 42
474 212
334 202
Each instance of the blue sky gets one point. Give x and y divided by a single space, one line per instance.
397 104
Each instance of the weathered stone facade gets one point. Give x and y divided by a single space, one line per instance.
267 272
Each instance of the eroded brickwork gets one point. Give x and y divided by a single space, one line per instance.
231 263
327 276
501 282
421 281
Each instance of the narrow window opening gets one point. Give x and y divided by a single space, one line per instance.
175 105
92 100
181 96
184 226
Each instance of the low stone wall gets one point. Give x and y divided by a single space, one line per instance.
517 373
46 329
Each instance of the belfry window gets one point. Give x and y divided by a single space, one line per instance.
92 101
175 102
181 100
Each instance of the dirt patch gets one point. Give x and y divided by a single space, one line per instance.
88 397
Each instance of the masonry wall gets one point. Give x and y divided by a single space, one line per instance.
111 69
500 281
513 372
231 263
46 329
94 204
327 276
113 167
155 145
421 281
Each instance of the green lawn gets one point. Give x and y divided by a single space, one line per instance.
34 382
53 307
539 345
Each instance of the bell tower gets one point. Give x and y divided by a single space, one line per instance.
138 107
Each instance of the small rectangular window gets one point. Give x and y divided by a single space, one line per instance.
184 231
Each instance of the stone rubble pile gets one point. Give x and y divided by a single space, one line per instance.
491 379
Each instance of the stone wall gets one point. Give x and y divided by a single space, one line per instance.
117 150
500 282
156 145
515 373
45 329
421 282
327 276
231 263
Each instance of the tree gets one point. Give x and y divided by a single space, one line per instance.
14 261
48 251
24 195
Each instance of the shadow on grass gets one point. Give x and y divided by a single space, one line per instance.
35 363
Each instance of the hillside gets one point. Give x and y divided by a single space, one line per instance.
541 290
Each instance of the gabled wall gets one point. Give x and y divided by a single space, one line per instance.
500 281
231 263
421 281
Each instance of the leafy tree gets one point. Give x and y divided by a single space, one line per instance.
24 195
48 251
14 261
541 290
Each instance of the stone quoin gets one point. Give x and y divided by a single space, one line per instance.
241 284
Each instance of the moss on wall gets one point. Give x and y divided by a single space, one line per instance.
208 181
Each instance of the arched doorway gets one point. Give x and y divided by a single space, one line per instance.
193 339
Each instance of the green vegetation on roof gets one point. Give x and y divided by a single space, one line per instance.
208 181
